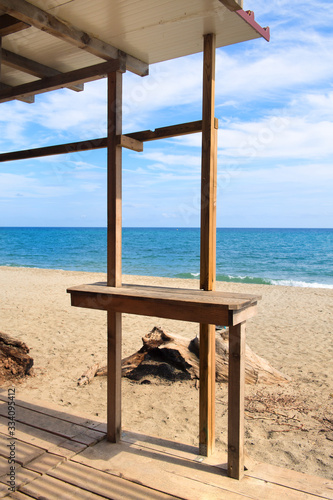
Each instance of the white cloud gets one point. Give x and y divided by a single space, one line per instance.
170 84
316 106
13 185
90 187
302 130
298 139
173 159
282 196
56 117
302 175
274 74
298 14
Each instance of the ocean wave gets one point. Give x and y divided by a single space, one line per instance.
255 280
302 284
228 278
187 276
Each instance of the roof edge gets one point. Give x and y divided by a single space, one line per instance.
248 17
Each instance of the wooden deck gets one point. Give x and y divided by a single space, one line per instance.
64 456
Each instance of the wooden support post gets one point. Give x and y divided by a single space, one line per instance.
236 401
208 169
114 196
114 377
208 249
114 182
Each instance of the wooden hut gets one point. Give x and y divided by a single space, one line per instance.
52 44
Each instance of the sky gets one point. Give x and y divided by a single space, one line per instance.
274 102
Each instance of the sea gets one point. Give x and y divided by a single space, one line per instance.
291 257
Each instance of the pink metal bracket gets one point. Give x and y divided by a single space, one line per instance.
248 16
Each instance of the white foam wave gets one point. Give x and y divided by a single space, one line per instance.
302 284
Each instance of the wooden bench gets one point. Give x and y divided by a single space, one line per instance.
204 307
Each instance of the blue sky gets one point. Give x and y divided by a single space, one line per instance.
274 102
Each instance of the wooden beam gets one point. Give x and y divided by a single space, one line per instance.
236 388
28 99
45 21
208 248
10 25
62 80
128 142
233 5
32 67
72 147
76 147
3 86
170 131
114 229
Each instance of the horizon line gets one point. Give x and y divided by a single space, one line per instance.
159 227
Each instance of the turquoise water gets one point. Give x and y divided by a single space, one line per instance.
295 257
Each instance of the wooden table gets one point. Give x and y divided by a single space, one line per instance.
204 307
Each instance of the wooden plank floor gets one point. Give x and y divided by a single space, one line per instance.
65 456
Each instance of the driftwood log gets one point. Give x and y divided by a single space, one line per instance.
87 377
176 358
14 359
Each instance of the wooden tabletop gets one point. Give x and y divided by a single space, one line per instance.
176 303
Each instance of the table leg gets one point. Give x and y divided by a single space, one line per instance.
236 388
114 377
207 390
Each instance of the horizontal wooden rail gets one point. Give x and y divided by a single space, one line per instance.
170 131
59 149
100 143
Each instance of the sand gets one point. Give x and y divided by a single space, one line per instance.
288 425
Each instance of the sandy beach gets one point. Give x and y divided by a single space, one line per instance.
289 425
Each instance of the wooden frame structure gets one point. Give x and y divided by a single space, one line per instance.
205 306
